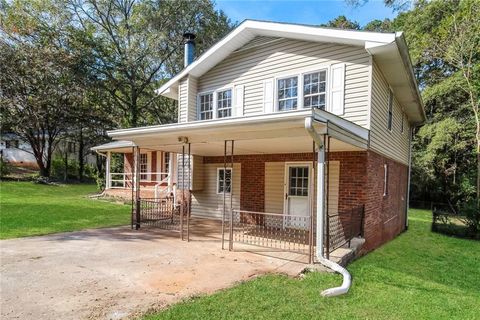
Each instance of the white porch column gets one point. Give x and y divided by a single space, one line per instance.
320 199
108 176
170 172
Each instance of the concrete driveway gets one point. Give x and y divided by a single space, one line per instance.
118 273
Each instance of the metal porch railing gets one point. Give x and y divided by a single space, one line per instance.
343 227
272 230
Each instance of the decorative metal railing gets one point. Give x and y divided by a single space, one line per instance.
161 213
271 230
343 227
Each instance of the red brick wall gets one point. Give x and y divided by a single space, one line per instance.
252 187
384 215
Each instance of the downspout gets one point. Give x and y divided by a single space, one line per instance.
347 279
409 175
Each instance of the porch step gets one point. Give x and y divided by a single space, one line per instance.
343 256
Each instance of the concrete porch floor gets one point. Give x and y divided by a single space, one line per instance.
115 273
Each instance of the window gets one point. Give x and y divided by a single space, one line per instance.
224 180
298 184
166 162
314 88
206 106
143 166
224 104
402 128
11 144
287 93
385 180
390 113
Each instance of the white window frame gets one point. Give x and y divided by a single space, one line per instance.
218 179
326 86
300 96
215 98
390 104
231 103
145 173
277 100
199 104
385 179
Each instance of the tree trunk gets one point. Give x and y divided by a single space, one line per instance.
81 164
65 173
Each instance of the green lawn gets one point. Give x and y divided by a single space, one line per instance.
419 275
29 209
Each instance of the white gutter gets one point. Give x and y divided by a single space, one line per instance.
347 279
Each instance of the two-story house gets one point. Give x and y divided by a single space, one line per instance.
291 133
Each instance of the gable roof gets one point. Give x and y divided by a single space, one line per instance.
388 49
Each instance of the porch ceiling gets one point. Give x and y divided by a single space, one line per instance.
281 133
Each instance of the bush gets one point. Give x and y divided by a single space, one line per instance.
5 168
471 211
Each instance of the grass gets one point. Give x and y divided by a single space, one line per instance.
419 275
29 209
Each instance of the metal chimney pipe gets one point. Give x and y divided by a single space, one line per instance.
189 48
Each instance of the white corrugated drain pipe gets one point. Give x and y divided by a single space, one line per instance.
347 279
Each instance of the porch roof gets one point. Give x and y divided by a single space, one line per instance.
115 146
262 134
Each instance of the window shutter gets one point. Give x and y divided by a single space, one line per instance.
238 106
337 88
268 96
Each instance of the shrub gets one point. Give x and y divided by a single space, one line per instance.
471 212
5 168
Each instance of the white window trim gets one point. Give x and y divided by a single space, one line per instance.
385 179
218 179
300 87
390 92
149 165
215 98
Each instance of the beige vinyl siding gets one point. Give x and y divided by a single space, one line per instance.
283 57
192 99
257 41
392 144
274 186
197 171
183 100
333 186
206 202
187 99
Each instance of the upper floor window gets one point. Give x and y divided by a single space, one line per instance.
287 93
224 103
206 106
390 110
314 90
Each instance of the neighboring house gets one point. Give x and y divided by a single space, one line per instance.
18 152
321 122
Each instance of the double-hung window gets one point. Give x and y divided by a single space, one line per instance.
143 166
224 180
390 110
287 93
206 106
314 89
224 103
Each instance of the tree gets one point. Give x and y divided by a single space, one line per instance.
136 44
37 92
342 22
379 26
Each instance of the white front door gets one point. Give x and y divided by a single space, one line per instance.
297 195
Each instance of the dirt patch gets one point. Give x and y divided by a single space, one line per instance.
115 273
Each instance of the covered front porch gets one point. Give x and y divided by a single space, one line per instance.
271 181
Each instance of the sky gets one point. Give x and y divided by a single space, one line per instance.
301 11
